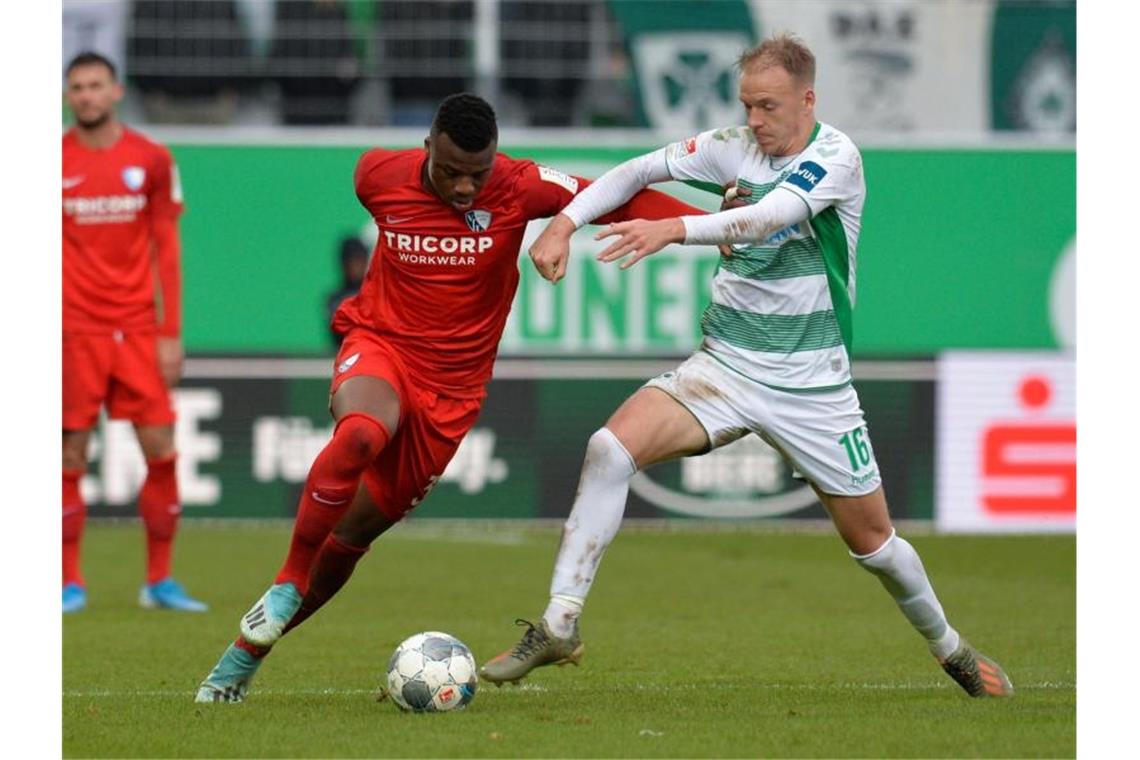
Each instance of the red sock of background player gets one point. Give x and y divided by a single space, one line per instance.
159 506
74 512
328 491
332 568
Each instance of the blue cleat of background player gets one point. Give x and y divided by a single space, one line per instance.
74 598
168 594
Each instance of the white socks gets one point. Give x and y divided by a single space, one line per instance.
900 570
591 526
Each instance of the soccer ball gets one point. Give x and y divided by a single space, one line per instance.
431 672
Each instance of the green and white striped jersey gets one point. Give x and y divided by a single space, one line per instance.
781 307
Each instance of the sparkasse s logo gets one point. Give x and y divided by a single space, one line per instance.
807 176
1006 441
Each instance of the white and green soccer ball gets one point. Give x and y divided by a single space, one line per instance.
432 672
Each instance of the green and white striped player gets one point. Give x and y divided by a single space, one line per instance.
775 359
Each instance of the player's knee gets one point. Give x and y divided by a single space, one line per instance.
606 454
360 438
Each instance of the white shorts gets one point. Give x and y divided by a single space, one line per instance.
821 433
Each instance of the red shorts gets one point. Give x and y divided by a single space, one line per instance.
430 429
119 370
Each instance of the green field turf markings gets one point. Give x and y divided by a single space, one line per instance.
1043 686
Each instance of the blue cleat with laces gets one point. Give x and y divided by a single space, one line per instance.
229 680
74 598
168 594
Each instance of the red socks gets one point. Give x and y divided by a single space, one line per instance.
74 512
159 507
328 491
331 570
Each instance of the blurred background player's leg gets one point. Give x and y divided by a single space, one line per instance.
74 515
159 507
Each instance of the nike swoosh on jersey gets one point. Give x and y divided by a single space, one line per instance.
389 219
70 182
316 497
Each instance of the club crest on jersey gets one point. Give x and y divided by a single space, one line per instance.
478 220
134 177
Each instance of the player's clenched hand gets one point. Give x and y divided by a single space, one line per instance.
552 249
734 196
639 238
170 360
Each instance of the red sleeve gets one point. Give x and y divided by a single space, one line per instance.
165 203
545 192
364 179
168 255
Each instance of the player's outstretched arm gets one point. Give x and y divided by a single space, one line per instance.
641 238
551 251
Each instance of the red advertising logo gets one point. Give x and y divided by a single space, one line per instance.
1028 467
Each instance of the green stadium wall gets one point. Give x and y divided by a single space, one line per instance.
959 249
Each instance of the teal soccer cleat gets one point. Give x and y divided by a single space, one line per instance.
168 594
266 620
229 680
74 598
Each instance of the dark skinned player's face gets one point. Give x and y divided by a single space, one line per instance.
456 175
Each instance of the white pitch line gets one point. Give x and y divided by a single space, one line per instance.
537 688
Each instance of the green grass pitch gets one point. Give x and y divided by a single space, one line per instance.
704 643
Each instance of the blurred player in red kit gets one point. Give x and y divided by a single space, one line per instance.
419 344
121 340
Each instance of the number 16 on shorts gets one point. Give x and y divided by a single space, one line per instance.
857 445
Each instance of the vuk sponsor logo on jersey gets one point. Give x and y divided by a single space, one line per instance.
807 176
478 219
134 177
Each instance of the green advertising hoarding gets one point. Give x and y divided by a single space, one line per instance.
960 248
246 439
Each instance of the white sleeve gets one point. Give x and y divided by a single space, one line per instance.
829 174
747 224
617 186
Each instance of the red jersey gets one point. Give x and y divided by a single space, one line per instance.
440 283
120 211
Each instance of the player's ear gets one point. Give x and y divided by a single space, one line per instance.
809 97
427 143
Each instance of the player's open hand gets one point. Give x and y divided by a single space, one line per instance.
639 238
734 196
551 251
170 360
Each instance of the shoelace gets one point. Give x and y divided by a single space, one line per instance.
531 640
965 671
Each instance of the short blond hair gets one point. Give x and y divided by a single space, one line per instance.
783 50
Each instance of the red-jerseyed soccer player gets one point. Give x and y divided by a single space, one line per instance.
121 201
419 344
